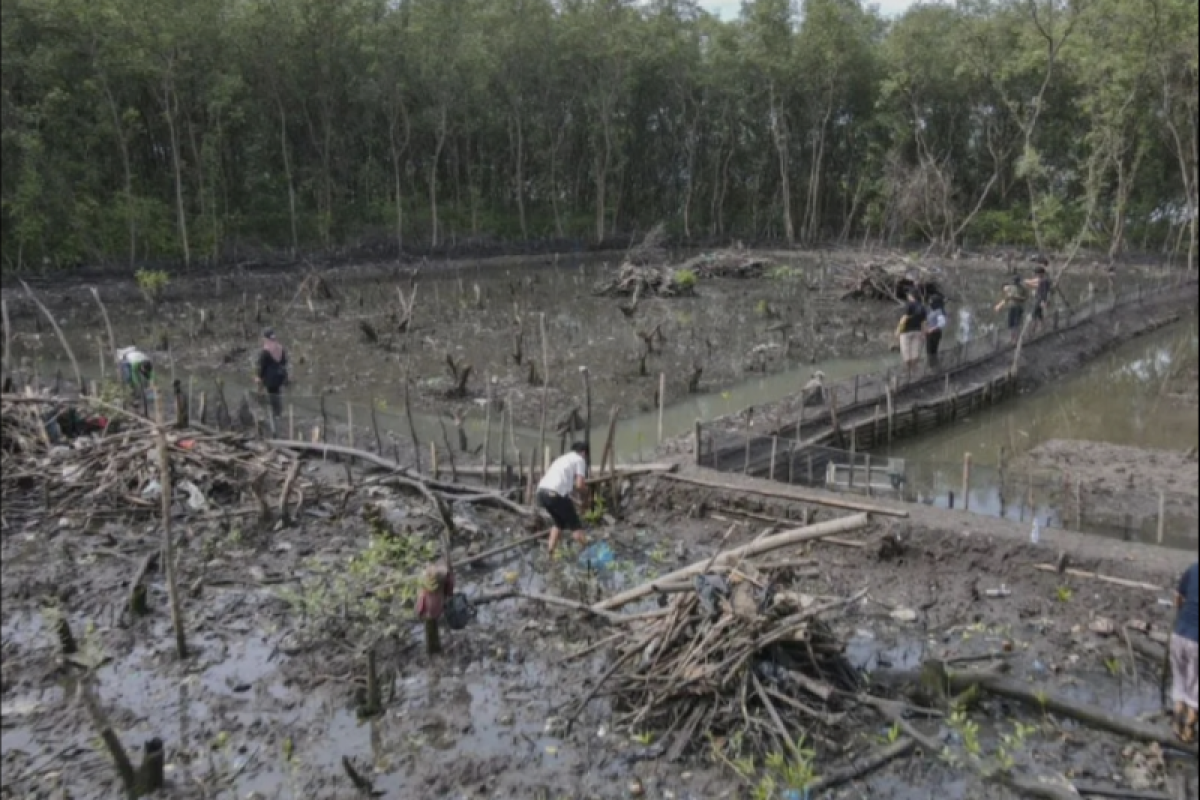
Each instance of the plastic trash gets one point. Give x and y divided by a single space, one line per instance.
152 490
795 794
1035 535
1003 591
597 555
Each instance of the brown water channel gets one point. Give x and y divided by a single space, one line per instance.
1117 400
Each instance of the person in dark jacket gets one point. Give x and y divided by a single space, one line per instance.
1185 653
272 370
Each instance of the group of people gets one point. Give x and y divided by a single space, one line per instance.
1016 297
923 324
137 371
921 328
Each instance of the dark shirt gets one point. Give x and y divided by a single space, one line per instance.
1042 293
272 373
914 315
1187 624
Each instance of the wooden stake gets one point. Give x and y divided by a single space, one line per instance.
62 339
291 421
487 427
662 398
774 450
966 482
542 448
1162 515
696 440
433 459
890 411
165 487
587 416
349 424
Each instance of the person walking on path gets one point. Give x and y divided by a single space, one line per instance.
1014 300
272 371
1185 654
566 475
910 333
935 325
1041 285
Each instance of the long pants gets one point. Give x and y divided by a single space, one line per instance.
276 399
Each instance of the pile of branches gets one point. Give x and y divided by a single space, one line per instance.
880 282
726 264
61 459
733 657
647 281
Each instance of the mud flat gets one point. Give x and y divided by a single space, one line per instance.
282 600
1113 477
358 333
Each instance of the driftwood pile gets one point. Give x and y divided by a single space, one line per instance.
735 655
643 278
726 264
880 282
51 471
646 281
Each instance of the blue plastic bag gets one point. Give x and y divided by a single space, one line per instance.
597 555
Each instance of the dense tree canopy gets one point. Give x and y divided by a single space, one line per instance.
176 129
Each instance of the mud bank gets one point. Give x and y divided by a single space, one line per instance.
279 615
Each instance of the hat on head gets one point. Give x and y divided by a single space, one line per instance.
268 333
580 447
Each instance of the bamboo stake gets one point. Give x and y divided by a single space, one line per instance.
1162 515
662 395
165 487
112 340
62 339
349 424
966 482
487 427
774 451
545 393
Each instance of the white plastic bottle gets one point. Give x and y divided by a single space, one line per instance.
1035 535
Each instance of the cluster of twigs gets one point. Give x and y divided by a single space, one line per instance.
733 656
726 264
646 281
54 467
886 282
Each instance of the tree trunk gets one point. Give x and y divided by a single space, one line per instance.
398 113
287 174
126 167
779 135
434 241
518 134
168 101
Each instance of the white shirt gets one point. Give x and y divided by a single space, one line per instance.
936 320
560 478
131 355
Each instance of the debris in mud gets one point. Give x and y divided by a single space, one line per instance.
113 470
641 278
892 282
733 655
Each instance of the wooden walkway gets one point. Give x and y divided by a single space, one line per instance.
869 412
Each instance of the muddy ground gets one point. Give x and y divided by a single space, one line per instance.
278 616
344 336
1116 481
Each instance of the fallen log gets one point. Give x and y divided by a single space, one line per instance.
764 545
1092 716
1079 573
1093 790
864 766
787 494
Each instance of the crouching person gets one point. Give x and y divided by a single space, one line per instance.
566 475
137 372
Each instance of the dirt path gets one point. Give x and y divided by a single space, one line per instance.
1051 355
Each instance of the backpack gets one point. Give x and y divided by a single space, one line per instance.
459 611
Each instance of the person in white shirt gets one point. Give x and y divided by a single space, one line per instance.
567 474
935 326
